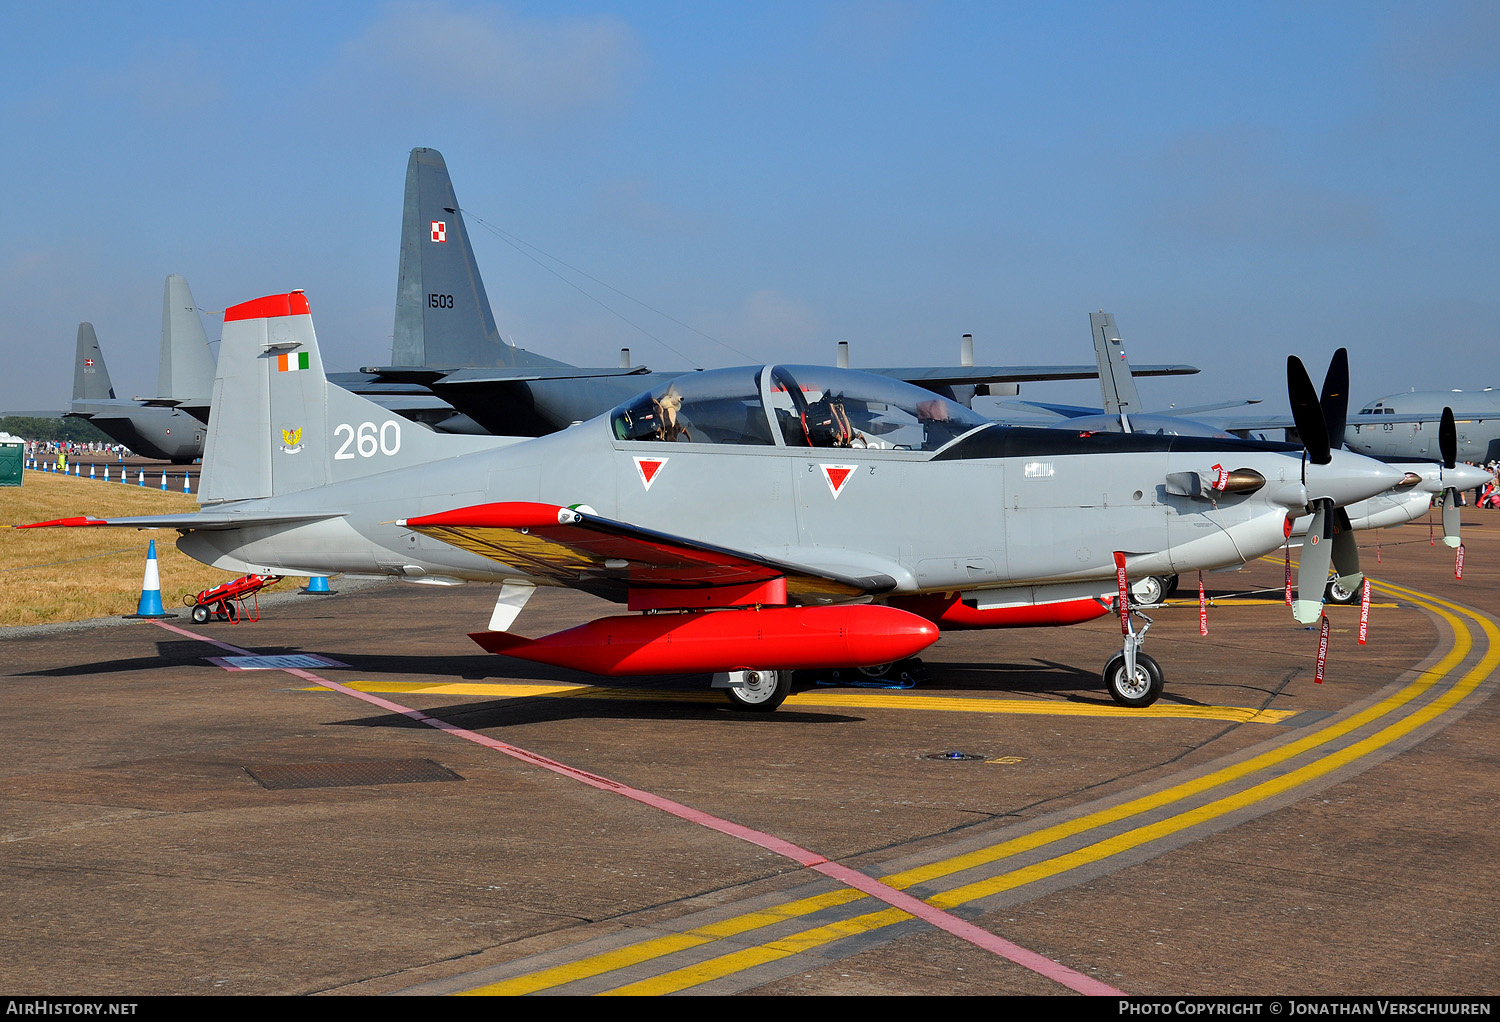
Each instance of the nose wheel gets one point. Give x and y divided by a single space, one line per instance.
1140 688
1132 677
1336 593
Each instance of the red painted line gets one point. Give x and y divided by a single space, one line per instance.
946 921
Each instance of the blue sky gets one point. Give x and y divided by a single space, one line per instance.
1235 182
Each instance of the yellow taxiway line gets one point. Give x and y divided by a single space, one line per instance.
744 958
842 699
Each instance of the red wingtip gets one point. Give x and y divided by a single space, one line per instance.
71 522
269 307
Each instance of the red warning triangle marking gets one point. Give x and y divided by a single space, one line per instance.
649 468
837 476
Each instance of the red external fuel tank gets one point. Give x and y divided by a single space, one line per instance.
773 638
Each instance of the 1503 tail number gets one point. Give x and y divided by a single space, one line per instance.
368 440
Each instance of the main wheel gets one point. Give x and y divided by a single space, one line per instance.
1336 593
1171 581
762 691
200 614
1148 591
1142 690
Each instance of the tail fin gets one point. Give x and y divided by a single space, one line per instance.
186 371
278 426
443 316
1115 379
90 378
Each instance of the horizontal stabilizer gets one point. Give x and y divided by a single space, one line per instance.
191 520
503 375
497 374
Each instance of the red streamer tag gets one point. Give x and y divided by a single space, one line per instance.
1458 562
1431 539
1124 593
1202 608
1364 613
1221 477
1377 552
1289 575
1322 652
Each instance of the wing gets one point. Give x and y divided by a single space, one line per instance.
651 570
933 376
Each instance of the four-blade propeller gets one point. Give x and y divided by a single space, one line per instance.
1320 420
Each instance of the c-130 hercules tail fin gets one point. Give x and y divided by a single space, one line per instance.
443 316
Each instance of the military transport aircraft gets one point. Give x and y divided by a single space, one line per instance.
445 348
171 425
1402 425
761 519
446 338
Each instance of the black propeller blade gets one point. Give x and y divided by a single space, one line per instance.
1448 446
1307 412
1335 397
1448 439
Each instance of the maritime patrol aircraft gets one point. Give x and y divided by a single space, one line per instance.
754 520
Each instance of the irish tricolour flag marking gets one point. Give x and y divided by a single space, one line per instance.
291 361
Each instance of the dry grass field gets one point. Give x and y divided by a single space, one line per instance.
50 575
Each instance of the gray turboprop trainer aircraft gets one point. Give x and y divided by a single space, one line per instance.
761 519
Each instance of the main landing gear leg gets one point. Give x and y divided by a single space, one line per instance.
1132 677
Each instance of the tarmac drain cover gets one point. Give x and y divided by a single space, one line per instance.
346 775
282 662
952 757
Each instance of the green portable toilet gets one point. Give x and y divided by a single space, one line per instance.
12 459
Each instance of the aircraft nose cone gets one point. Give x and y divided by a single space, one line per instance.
1350 477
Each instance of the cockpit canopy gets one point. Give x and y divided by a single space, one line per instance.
794 406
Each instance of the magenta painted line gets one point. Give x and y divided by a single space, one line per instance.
961 928
203 638
976 935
